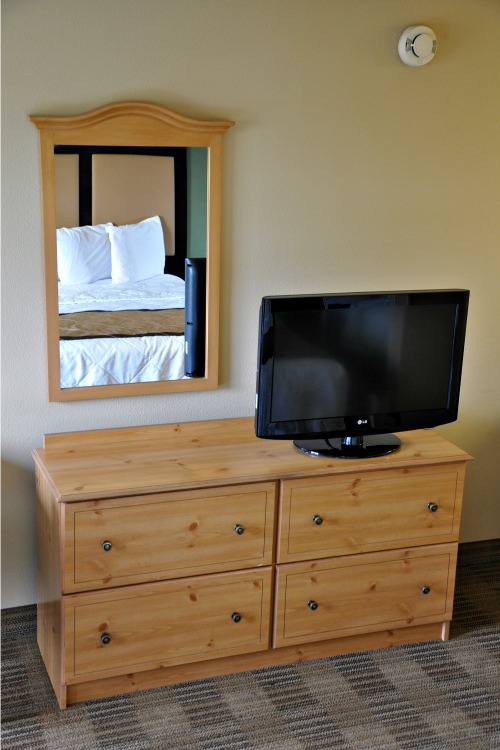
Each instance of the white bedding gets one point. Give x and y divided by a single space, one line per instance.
162 292
111 361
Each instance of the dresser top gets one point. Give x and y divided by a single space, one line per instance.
142 460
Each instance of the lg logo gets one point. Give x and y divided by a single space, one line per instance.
362 421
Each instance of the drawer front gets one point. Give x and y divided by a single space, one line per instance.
358 513
360 594
131 540
161 624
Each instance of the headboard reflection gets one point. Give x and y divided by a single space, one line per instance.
99 184
130 194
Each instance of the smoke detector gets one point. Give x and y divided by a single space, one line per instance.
417 45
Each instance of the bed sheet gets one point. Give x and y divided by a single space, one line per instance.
159 292
113 361
119 360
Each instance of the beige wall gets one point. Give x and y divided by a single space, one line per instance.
347 171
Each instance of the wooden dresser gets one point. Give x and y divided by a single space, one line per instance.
176 552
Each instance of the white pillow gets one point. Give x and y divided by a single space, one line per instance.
137 250
83 254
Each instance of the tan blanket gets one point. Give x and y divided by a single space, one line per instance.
84 325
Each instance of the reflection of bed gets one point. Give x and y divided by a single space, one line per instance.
127 332
121 308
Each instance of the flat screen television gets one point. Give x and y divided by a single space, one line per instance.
339 373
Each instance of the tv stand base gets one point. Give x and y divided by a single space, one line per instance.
366 446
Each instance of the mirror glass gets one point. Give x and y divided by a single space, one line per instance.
131 209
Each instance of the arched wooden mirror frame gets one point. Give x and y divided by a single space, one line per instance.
127 124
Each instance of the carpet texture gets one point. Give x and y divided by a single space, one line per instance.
431 696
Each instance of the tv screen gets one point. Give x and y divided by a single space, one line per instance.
341 370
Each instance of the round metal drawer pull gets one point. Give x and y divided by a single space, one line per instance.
317 520
236 617
105 638
106 546
312 604
426 589
239 529
432 507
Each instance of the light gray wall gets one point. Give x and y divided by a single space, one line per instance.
346 170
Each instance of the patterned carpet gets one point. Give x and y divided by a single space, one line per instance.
433 696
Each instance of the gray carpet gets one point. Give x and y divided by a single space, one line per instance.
433 696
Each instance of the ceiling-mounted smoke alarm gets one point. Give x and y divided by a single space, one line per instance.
417 45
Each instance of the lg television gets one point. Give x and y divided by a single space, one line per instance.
340 373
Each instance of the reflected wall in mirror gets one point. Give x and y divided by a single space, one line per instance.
131 197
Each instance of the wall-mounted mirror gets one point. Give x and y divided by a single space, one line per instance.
131 197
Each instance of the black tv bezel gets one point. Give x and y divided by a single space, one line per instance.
340 426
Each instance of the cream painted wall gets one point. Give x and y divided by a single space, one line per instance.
346 170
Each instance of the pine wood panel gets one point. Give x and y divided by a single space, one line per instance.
49 606
363 593
145 464
135 681
136 120
166 623
171 436
168 536
363 513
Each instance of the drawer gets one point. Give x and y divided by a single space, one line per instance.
160 624
169 535
360 513
364 593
